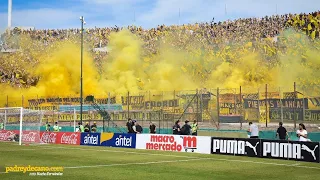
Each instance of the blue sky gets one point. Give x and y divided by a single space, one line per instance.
146 13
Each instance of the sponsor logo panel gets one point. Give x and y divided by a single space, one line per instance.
173 143
72 138
27 136
292 150
118 140
232 146
5 135
48 137
90 139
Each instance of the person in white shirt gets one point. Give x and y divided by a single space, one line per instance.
302 133
254 130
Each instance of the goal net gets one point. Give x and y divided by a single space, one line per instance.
19 124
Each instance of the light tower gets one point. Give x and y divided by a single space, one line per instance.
9 13
81 81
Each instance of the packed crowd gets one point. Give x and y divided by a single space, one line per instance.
224 40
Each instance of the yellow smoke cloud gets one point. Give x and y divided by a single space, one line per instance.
129 67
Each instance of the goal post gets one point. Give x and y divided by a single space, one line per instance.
21 124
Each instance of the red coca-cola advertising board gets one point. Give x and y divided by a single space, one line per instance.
6 135
27 136
48 137
72 138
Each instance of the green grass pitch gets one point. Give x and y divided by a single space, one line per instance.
88 162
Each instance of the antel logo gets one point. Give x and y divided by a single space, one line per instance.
287 150
168 143
91 139
123 141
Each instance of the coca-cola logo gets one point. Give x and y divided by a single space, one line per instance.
30 137
48 138
5 135
69 139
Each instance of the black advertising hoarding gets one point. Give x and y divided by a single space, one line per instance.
236 146
291 150
263 148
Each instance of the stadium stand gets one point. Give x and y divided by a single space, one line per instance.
250 34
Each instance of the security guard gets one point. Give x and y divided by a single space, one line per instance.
87 127
47 127
56 127
194 128
94 127
81 128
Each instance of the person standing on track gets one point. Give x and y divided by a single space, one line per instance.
302 133
134 127
81 128
56 127
87 127
176 127
47 127
186 129
254 130
282 132
1 126
152 128
94 127
139 129
129 126
194 128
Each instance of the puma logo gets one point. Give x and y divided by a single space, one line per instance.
306 148
252 147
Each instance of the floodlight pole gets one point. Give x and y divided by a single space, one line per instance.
9 13
20 133
81 79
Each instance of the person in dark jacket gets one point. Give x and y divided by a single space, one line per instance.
186 129
94 127
176 127
87 127
129 125
282 132
134 128
152 128
139 129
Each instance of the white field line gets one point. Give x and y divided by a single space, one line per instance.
126 164
190 158
142 163
114 151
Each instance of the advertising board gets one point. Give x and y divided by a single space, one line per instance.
118 140
289 150
198 144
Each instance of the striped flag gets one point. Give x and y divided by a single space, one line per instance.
315 101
